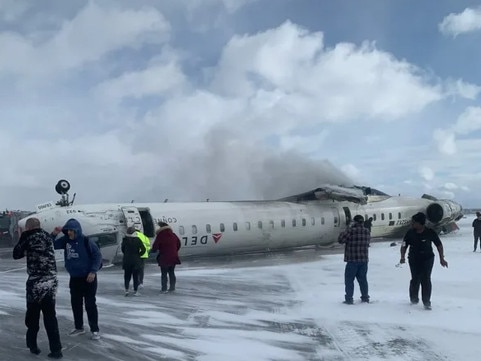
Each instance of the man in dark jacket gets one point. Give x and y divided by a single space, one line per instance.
477 231
168 245
37 246
132 248
356 255
82 261
419 240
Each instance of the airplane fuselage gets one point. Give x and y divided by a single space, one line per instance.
216 228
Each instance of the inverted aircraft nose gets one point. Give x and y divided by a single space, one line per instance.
21 223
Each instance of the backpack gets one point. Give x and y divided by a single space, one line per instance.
89 251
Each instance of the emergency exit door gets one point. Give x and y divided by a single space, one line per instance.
133 218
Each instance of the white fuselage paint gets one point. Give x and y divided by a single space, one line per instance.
215 228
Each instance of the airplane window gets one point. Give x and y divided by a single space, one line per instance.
259 224
399 215
207 228
374 217
335 220
194 229
222 227
293 223
382 216
303 222
283 223
181 230
248 226
366 217
313 221
271 223
234 226
390 215
322 220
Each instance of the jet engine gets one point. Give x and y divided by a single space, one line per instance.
443 212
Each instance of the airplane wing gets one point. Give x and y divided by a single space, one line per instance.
330 192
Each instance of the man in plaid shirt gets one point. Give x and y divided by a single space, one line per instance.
356 255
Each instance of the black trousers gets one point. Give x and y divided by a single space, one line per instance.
131 272
81 290
168 270
32 321
421 269
141 271
476 238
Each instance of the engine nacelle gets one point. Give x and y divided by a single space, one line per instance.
443 212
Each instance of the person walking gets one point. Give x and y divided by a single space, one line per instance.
41 288
167 244
419 240
132 248
146 242
82 261
477 231
356 239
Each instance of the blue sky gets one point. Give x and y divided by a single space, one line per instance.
238 99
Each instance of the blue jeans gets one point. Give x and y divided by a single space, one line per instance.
357 270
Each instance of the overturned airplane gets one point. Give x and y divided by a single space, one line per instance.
314 218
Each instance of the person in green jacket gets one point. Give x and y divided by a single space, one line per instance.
146 241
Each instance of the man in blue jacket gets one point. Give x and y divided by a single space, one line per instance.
82 261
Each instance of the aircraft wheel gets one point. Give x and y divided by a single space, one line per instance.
62 187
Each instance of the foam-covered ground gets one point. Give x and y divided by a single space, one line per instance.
285 306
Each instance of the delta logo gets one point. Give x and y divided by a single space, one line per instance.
216 237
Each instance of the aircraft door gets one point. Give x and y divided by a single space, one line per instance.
133 218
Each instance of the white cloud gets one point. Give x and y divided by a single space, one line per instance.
94 32
231 6
450 186
448 194
341 83
446 141
463 89
144 122
427 186
469 121
427 173
155 80
467 21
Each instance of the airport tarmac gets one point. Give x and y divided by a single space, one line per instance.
277 306
157 326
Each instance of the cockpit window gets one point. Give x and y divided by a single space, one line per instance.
105 239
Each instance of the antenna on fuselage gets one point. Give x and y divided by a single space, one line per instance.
62 188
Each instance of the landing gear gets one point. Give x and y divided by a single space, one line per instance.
62 187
